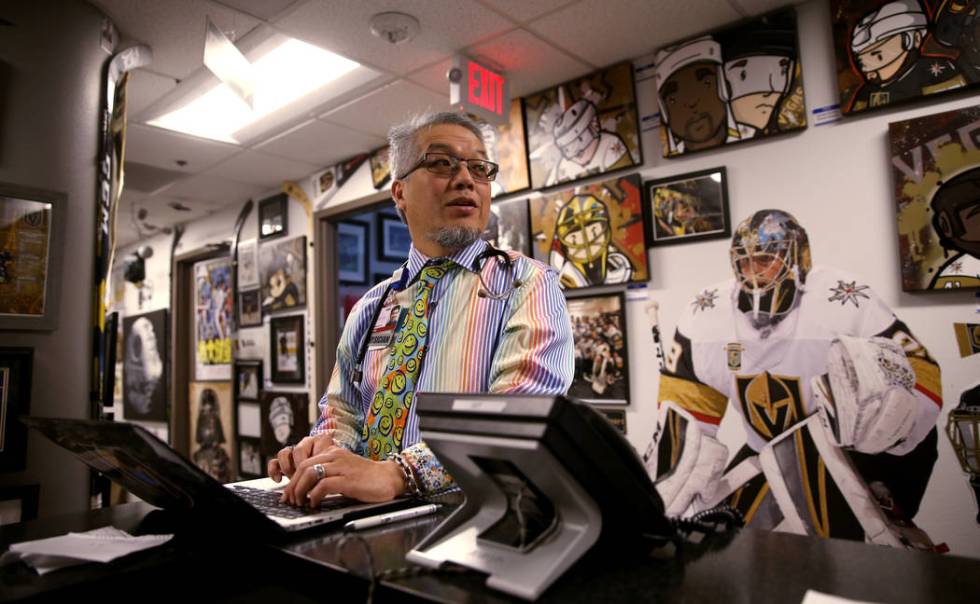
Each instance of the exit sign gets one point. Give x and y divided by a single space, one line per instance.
480 90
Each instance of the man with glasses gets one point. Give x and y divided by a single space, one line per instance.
457 317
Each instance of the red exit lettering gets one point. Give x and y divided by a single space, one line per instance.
486 88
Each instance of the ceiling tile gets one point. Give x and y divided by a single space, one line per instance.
144 89
263 9
530 63
321 143
146 179
525 10
590 29
383 108
262 169
162 148
212 191
174 29
343 27
159 215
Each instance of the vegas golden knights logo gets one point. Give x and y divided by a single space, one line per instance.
734 353
771 403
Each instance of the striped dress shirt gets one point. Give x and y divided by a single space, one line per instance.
519 344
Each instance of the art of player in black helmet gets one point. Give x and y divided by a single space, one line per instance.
837 399
963 429
886 47
956 220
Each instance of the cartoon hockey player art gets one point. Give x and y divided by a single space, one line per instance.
956 220
582 249
886 46
837 399
586 148
963 429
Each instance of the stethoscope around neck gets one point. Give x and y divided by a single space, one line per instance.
399 282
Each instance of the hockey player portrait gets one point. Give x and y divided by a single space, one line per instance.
837 400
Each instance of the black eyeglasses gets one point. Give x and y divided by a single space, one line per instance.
445 164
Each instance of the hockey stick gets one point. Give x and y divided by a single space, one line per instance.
653 311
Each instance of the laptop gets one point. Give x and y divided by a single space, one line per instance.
135 459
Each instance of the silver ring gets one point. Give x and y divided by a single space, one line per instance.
320 471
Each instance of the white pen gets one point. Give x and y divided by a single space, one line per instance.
383 519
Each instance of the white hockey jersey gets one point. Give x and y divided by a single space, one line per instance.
717 355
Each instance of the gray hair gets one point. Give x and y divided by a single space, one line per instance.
405 151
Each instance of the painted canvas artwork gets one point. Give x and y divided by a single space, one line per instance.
508 228
282 270
212 429
592 234
213 321
734 85
144 360
507 148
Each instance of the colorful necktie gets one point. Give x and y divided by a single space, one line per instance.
385 425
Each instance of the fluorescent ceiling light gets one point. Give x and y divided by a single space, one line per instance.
286 73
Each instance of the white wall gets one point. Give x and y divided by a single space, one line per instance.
836 180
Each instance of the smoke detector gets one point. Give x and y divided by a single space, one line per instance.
396 28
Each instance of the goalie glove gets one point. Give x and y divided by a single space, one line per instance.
866 398
684 462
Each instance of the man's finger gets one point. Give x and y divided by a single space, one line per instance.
328 486
272 469
286 465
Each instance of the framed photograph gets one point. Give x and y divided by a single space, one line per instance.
15 400
601 351
380 168
394 240
212 425
250 308
507 147
19 503
733 85
509 227
251 464
146 342
687 207
248 380
935 50
282 269
603 240
32 236
274 216
584 127
285 420
616 416
213 321
287 342
352 252
248 268
936 169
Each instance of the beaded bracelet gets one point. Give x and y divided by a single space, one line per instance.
411 485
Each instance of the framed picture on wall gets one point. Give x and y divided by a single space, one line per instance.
287 343
251 464
248 267
601 351
592 234
15 400
394 240
274 216
509 227
285 420
380 168
282 270
212 319
507 147
212 429
146 347
687 207
248 380
352 252
19 503
31 242
250 308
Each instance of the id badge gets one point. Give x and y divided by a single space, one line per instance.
383 331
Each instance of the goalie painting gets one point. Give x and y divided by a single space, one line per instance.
782 341
936 170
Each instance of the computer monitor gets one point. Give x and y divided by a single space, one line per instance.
545 479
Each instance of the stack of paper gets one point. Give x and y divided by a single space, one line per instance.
101 545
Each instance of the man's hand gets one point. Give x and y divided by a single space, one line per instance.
290 458
345 473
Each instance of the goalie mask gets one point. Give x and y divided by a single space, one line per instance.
770 255
583 233
963 430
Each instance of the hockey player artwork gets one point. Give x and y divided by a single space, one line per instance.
592 234
213 321
900 50
508 228
688 207
738 84
506 146
836 400
582 128
601 353
936 171
963 430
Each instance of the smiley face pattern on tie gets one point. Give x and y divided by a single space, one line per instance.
385 425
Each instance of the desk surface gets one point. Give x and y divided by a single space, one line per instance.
752 566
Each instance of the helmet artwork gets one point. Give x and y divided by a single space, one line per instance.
584 233
576 128
770 256
963 429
